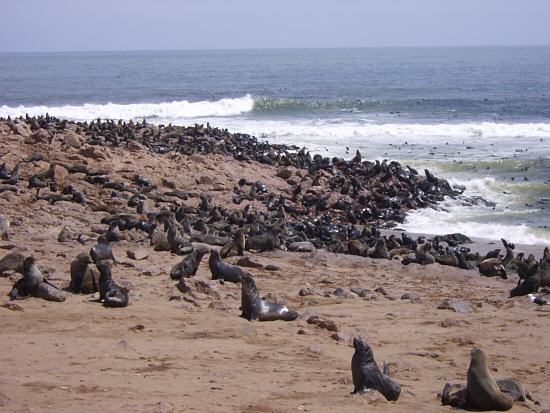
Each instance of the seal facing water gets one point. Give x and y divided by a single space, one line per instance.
254 308
367 375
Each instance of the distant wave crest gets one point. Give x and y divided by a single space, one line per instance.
166 110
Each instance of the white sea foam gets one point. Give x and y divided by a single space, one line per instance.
176 110
440 222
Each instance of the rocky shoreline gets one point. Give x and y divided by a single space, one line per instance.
157 193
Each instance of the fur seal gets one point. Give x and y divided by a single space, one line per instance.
492 267
424 255
110 292
34 284
482 392
367 375
223 271
379 250
189 265
83 278
101 251
4 228
254 308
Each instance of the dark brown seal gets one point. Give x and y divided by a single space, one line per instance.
110 292
189 265
367 375
223 271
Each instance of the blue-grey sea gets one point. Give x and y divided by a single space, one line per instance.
479 117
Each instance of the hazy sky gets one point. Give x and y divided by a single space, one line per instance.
59 25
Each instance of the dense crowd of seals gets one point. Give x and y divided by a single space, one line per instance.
338 205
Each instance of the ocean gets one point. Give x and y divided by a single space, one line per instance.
479 117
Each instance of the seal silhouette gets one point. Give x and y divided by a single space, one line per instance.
101 251
367 375
254 308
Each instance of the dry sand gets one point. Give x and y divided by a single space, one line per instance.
170 351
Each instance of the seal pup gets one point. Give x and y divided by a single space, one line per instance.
101 251
482 392
189 265
4 228
110 293
223 271
367 375
379 250
83 278
254 308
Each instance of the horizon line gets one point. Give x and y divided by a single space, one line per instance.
274 48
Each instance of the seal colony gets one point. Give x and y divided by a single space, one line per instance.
316 203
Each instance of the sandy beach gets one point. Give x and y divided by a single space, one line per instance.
172 351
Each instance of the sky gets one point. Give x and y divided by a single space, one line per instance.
84 25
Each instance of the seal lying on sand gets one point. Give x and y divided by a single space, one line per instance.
254 308
110 292
223 271
33 284
482 392
367 375
189 265
83 278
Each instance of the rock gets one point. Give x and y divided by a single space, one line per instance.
205 180
168 183
217 305
301 246
194 285
304 292
271 267
49 292
21 130
12 306
73 140
449 322
323 323
381 291
458 306
66 235
412 297
247 262
284 173
134 146
343 293
137 254
340 337
361 292
41 136
94 152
